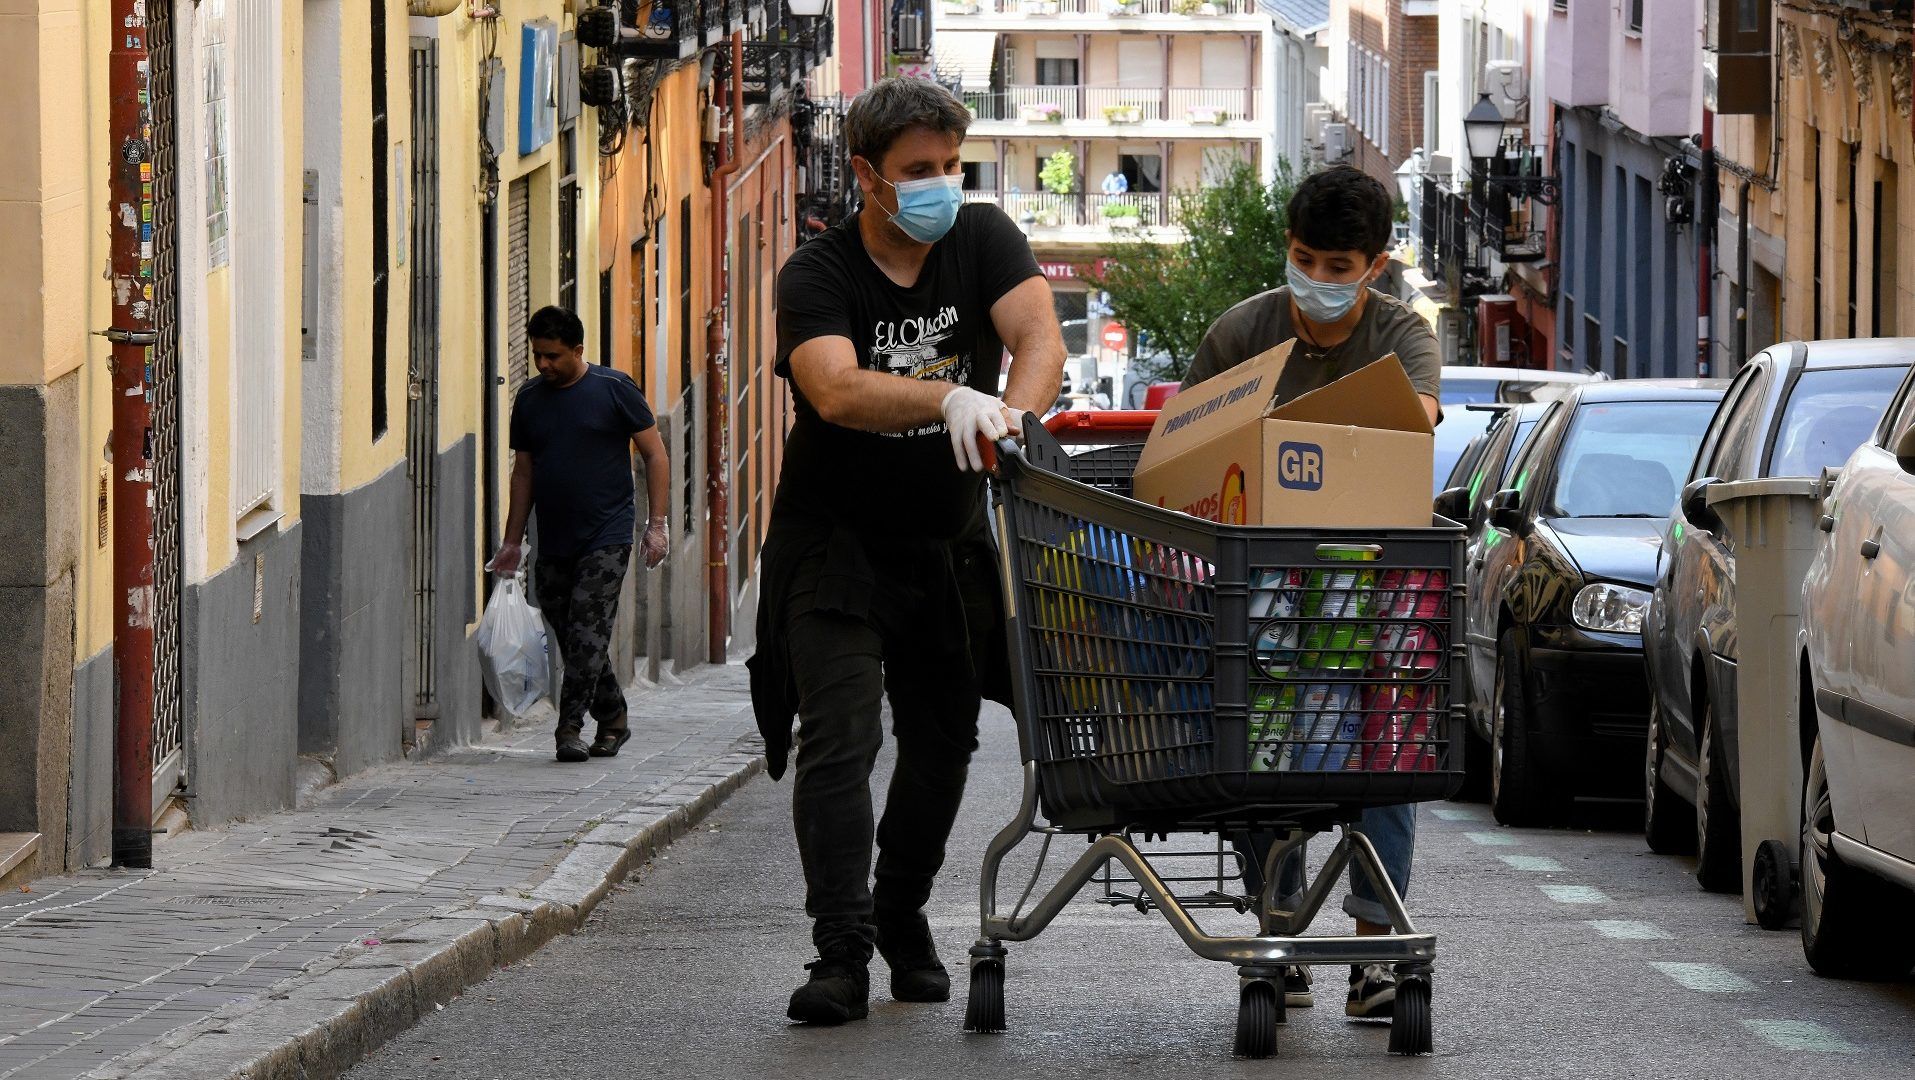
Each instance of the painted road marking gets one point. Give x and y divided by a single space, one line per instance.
1574 894
1628 930
1539 864
1455 813
1708 978
1800 1035
1492 839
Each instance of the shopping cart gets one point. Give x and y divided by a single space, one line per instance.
1177 676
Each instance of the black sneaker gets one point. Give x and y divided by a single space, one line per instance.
916 972
1372 992
1296 987
837 992
572 748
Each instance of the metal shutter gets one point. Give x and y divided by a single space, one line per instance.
168 730
518 282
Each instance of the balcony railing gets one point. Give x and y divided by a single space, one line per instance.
1086 210
1196 9
1118 105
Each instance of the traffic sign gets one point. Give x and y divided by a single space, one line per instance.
1114 337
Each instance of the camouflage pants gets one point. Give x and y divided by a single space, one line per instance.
579 598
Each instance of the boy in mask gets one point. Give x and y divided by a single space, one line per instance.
1339 230
878 576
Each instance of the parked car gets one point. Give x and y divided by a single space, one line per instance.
1560 573
1793 410
1465 386
1858 711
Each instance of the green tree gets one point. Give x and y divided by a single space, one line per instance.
1234 248
1059 174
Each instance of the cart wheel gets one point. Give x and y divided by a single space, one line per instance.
1257 1020
1774 891
984 1012
1410 1020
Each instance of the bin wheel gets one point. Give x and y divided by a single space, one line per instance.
1410 1028
1772 888
984 1011
1257 1010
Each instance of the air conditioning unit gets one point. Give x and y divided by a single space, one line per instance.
1336 143
1315 115
1507 83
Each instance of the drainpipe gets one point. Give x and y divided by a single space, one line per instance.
717 390
1706 196
133 335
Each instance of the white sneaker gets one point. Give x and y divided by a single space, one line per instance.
1372 992
1296 987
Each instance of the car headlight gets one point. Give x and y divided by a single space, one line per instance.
1610 608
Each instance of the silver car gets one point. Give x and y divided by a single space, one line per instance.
1858 678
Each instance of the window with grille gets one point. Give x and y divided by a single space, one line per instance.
1634 8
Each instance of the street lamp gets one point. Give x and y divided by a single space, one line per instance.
808 9
1483 129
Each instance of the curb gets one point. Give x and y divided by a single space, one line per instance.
337 1015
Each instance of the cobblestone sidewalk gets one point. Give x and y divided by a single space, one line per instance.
391 893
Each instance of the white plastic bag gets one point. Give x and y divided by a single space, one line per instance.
512 649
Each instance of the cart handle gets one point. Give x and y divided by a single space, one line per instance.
1102 426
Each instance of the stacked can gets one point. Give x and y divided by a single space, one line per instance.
1399 716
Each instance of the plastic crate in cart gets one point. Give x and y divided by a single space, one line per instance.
1175 672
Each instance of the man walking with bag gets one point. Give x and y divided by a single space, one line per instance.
879 572
572 430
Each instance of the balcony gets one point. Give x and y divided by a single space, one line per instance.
1235 16
668 29
1090 217
1124 111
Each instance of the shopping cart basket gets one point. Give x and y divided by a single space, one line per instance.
1173 675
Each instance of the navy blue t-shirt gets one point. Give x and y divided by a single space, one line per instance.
580 439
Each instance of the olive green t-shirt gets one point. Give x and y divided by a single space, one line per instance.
1263 322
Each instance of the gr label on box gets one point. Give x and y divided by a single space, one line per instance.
1300 466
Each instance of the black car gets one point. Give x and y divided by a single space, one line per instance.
1482 465
1793 410
1560 573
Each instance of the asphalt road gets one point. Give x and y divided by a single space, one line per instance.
1562 953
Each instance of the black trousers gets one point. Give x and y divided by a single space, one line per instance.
844 666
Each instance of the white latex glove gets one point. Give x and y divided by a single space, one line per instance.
506 562
969 414
656 543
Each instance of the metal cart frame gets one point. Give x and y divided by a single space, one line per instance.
1260 959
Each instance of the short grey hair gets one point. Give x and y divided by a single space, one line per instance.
890 107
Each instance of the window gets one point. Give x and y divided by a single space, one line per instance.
980 176
1887 228
1815 185
1634 8
1621 459
1740 430
1642 256
1705 461
1052 71
1432 113
1847 194
1145 172
1830 413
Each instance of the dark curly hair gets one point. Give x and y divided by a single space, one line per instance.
556 324
1342 209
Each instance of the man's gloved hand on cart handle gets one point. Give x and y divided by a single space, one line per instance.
971 415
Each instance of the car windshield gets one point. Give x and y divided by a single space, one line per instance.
1625 458
1459 392
1453 437
1830 413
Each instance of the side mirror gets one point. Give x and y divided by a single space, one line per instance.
1905 450
1695 505
1453 503
1506 512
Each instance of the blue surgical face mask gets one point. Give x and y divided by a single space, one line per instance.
928 208
1321 302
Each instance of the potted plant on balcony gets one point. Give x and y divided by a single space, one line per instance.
1124 114
1042 112
1212 115
1123 215
1059 174
1040 7
1124 7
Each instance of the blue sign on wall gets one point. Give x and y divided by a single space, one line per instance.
538 86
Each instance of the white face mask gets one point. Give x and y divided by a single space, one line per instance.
1321 301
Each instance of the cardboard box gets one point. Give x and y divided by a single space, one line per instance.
1357 452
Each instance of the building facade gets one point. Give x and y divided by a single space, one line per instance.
1813 232
1300 53
1382 57
353 213
1092 116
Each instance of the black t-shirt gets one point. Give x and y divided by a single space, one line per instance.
939 328
580 439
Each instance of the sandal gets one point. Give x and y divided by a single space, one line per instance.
608 742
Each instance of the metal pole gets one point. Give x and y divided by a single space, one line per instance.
130 212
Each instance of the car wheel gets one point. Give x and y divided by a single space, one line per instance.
1718 826
1668 822
1851 919
1519 789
